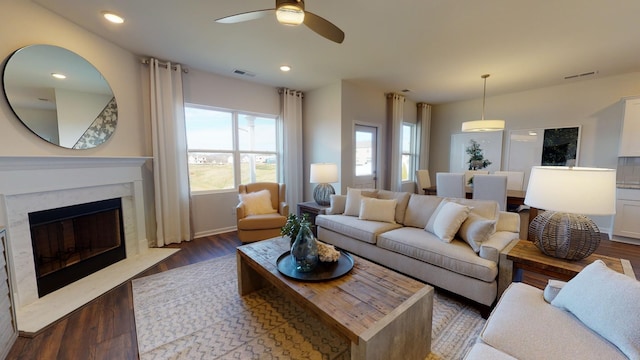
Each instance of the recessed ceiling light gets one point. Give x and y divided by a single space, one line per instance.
59 76
114 18
285 68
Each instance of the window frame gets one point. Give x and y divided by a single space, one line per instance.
235 152
412 153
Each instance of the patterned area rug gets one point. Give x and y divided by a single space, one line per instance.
195 312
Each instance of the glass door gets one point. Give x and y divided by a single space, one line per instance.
365 165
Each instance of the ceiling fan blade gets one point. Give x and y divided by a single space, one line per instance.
251 15
323 27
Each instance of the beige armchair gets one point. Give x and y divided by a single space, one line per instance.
254 227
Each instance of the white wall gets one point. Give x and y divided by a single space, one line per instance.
117 65
321 113
215 212
594 104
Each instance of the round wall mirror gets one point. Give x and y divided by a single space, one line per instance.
60 96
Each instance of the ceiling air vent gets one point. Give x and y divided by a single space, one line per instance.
576 76
243 73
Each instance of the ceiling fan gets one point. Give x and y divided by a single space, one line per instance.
291 12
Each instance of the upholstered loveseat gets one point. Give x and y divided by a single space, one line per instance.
596 315
450 243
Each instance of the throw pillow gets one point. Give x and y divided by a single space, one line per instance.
475 230
401 197
446 220
606 302
257 203
378 210
352 206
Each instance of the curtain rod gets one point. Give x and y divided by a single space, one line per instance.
164 65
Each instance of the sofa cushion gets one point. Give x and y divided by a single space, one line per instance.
456 256
481 351
606 301
526 327
401 197
336 204
419 210
363 230
263 221
486 208
475 230
352 206
378 210
446 220
257 203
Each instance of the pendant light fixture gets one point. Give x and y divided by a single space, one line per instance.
483 125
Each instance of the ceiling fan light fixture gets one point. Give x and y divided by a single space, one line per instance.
483 125
290 14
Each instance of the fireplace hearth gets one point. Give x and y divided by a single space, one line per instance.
72 242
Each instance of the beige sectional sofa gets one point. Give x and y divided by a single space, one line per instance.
389 228
596 315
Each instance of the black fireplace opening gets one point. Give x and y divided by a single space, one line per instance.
75 241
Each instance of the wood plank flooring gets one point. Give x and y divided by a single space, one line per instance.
105 328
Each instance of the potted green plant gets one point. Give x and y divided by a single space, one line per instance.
292 226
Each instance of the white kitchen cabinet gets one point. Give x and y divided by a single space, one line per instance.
8 326
627 219
629 144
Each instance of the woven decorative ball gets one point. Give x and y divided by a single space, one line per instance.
565 236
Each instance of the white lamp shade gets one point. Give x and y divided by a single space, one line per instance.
323 173
482 125
586 191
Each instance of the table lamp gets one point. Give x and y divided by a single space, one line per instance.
323 174
568 194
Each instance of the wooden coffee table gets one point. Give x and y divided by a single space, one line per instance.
523 255
384 314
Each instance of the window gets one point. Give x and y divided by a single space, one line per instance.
227 148
408 151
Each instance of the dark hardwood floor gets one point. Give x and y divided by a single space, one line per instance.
105 328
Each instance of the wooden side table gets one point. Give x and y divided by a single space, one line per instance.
523 255
313 209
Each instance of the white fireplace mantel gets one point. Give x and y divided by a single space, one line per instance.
29 174
30 184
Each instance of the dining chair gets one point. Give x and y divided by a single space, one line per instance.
491 187
450 185
470 173
515 179
423 179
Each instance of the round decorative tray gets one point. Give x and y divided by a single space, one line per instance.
324 270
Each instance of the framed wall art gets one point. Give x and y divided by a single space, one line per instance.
544 146
476 151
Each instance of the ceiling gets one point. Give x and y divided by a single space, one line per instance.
438 49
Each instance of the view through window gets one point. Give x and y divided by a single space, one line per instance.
408 151
227 148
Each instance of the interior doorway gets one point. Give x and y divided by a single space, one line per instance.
365 156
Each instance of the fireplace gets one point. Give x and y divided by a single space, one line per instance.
72 242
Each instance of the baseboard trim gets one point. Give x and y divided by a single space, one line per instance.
212 232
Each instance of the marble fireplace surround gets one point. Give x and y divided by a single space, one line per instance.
29 184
